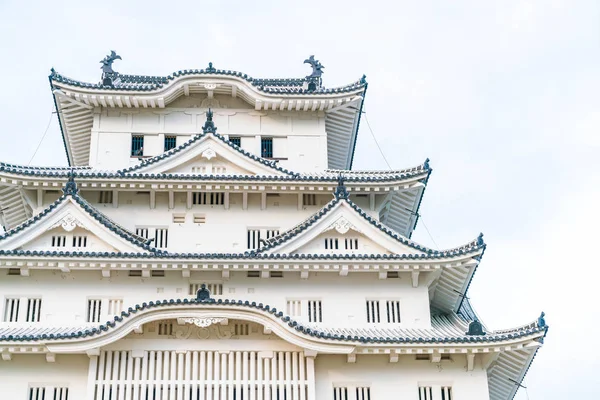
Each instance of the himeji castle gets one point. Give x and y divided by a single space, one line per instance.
209 240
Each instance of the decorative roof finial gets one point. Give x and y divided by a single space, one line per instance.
480 241
210 68
203 293
541 322
107 70
426 163
209 125
317 67
70 187
340 191
475 329
314 79
363 80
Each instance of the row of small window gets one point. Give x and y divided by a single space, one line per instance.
364 393
48 393
22 309
137 145
76 241
339 393
376 309
334 244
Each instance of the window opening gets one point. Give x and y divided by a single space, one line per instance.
393 311
94 310
331 243
137 146
315 311
236 140
11 310
33 310
79 241
266 147
106 197
59 241
170 142
309 199
373 312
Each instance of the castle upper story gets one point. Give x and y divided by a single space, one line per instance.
297 124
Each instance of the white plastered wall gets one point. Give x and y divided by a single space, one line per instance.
17 375
299 138
399 380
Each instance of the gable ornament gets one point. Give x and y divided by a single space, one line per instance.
203 322
209 153
342 225
68 223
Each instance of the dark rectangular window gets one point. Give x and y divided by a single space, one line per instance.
266 147
170 142
236 140
137 146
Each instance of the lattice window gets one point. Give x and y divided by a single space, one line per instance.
241 329
11 310
94 310
236 140
315 311
392 308
253 239
215 289
294 308
165 328
53 393
79 241
106 197
446 393
137 146
425 393
373 315
115 306
331 243
363 393
309 199
266 147
33 313
59 241
209 198
170 142
340 393
161 238
351 243
142 232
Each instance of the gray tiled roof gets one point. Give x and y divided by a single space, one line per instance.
284 86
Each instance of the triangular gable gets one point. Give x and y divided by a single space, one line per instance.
342 219
69 218
347 230
208 154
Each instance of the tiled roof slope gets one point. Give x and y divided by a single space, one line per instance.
70 192
306 224
145 83
445 329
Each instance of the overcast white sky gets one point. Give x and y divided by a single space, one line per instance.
503 96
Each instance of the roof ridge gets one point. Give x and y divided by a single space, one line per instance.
131 82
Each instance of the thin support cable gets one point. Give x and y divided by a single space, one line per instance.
42 139
427 229
375 139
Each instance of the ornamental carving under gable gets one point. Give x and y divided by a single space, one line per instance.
68 223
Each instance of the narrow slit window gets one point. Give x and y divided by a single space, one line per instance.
393 311
11 310
79 241
170 142
33 310
266 147
94 310
253 239
315 311
106 197
363 393
425 393
161 238
137 146
340 393
446 393
373 315
309 199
